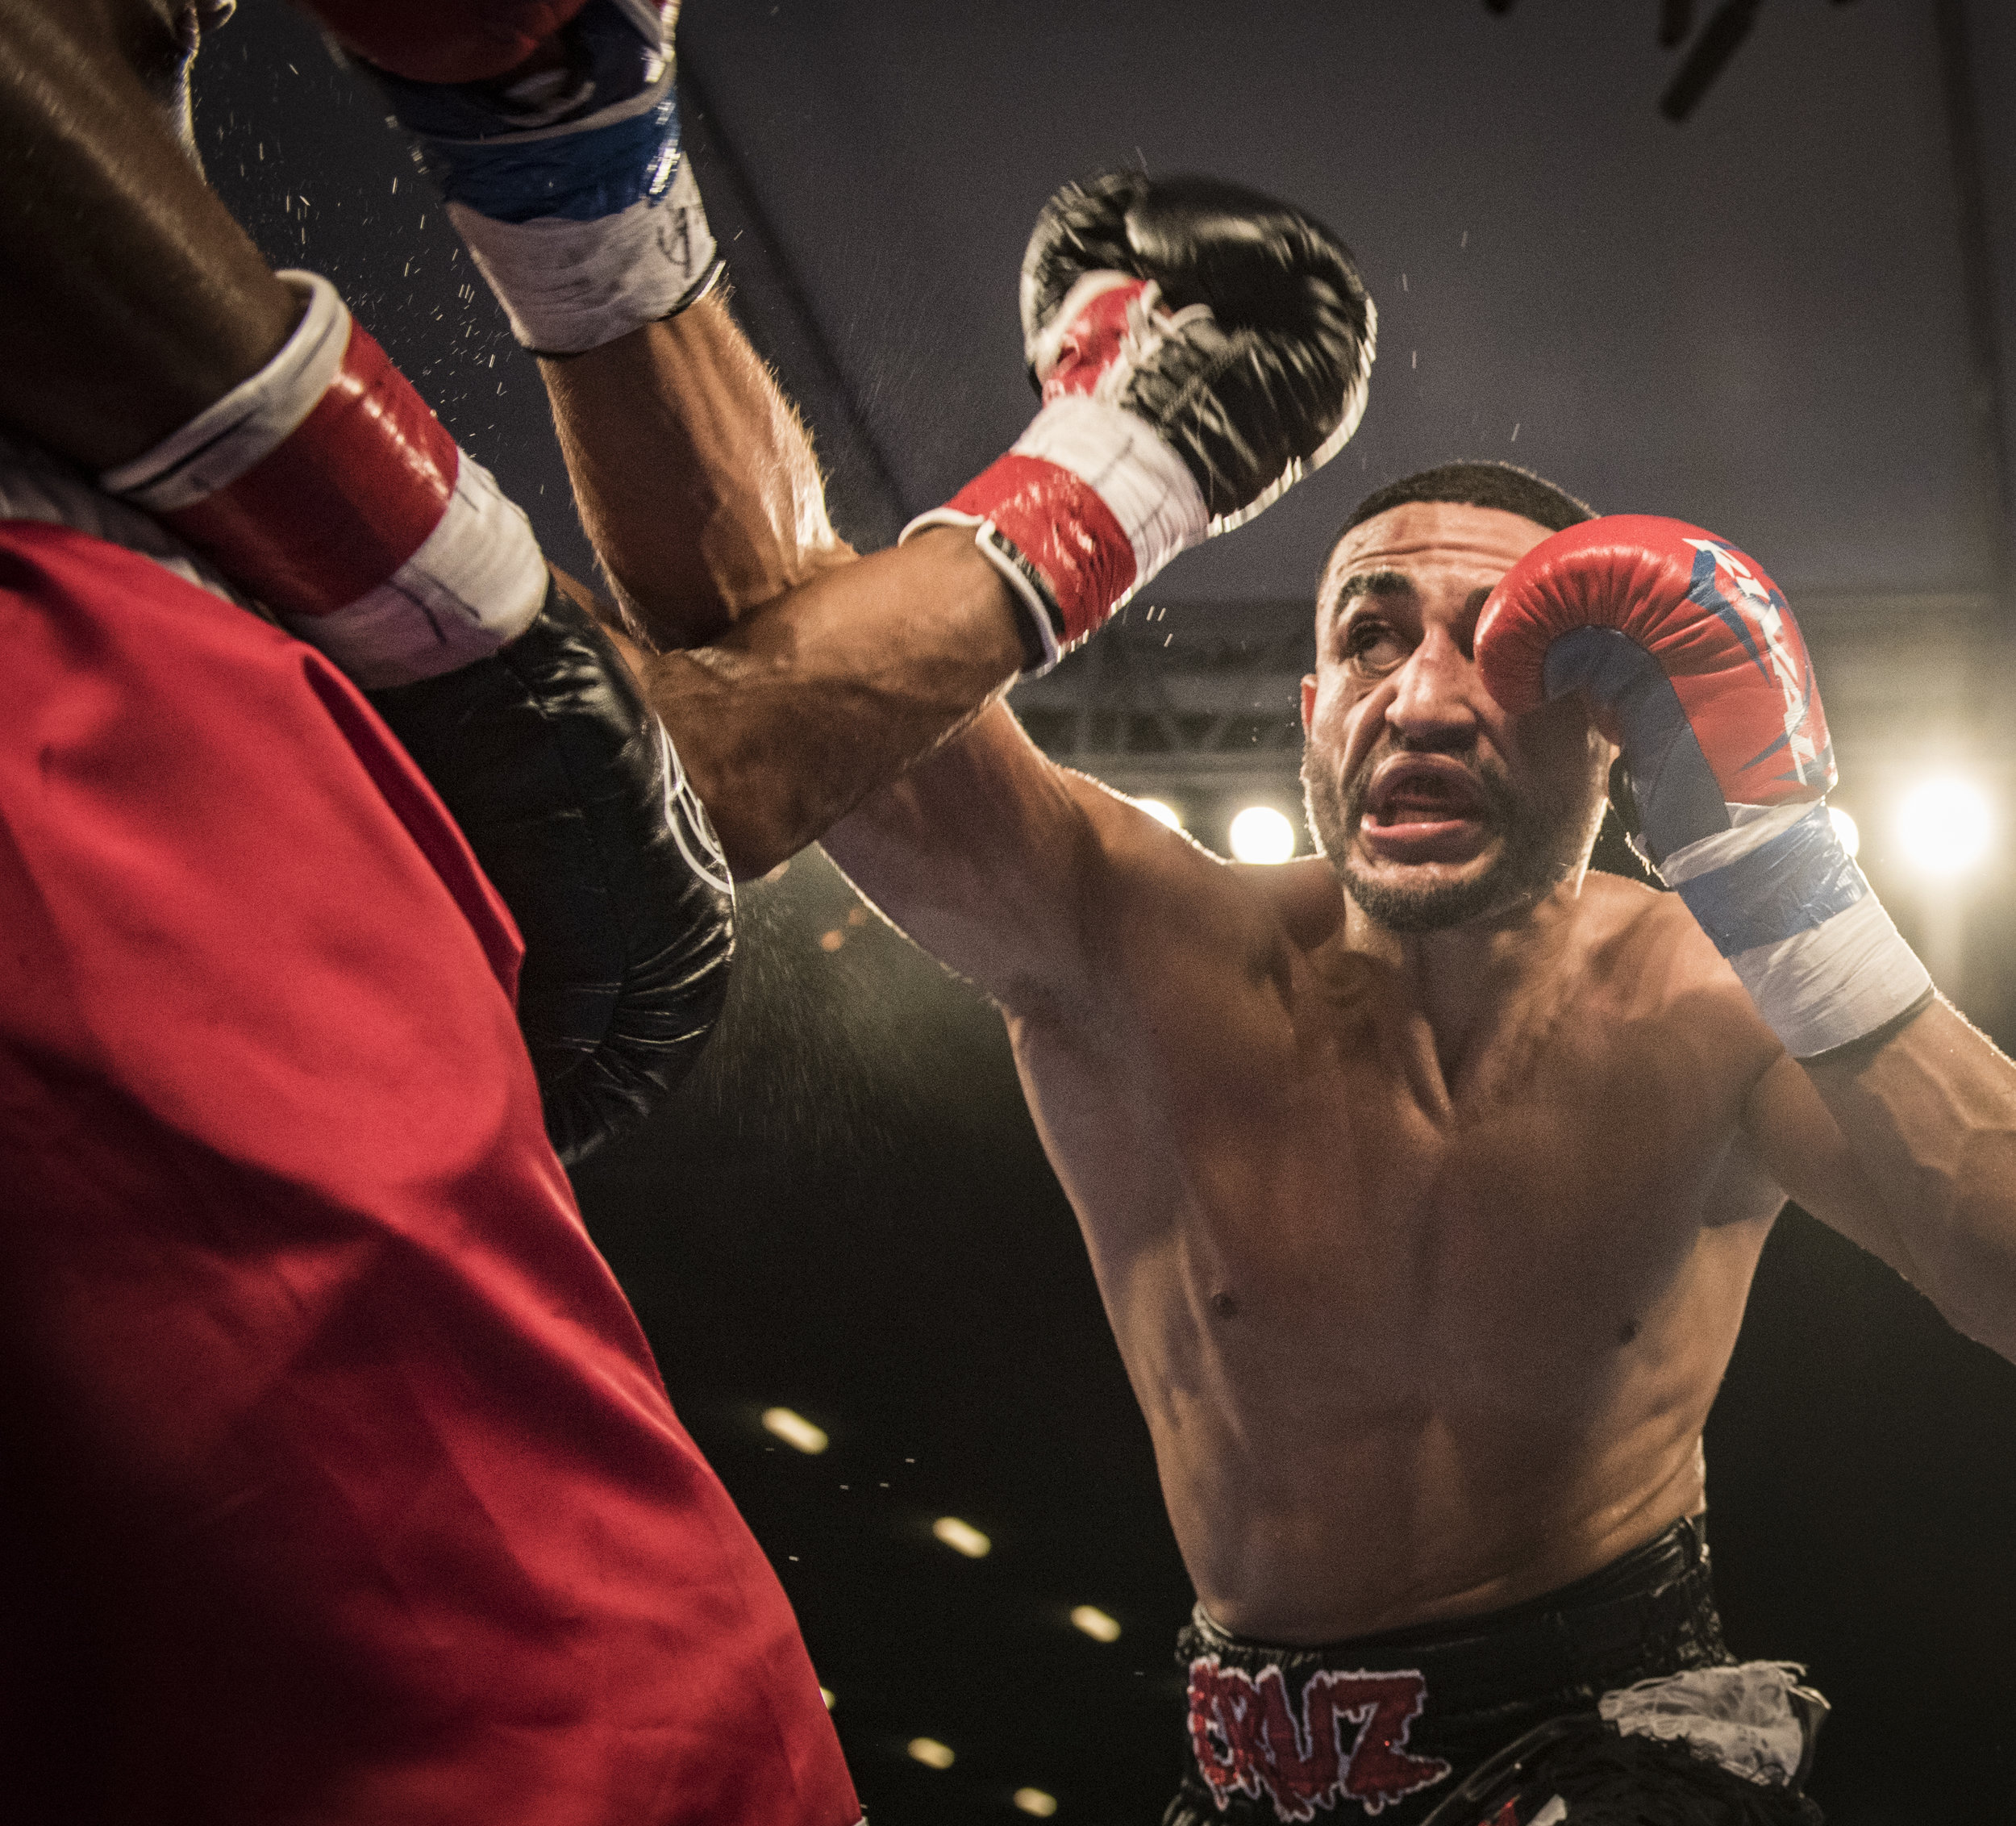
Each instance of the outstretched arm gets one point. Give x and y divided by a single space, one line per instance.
794 681
819 693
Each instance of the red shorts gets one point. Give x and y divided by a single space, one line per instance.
339 1483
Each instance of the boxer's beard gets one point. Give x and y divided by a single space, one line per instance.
1543 837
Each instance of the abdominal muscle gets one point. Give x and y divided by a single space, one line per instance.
1405 1361
1398 1419
1304 1521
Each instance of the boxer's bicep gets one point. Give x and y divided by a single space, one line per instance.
1001 864
1802 1147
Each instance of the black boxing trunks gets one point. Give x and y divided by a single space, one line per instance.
1611 1702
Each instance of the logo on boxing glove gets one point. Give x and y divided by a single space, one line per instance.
1768 608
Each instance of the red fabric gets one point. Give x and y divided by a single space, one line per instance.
1089 346
338 1482
1720 629
338 506
1056 520
448 40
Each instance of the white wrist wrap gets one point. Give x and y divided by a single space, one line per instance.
1784 902
324 486
477 582
1835 983
1146 486
568 287
251 421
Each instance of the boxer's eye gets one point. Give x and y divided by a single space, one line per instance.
1371 646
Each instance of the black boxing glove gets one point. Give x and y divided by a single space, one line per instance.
572 798
1199 349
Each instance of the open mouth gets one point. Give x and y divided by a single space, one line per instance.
1425 808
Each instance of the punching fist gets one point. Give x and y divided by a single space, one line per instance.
553 130
324 485
1198 347
1690 659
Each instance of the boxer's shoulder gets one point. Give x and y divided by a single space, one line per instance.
1175 937
1650 977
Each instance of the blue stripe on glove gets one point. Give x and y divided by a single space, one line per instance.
1679 800
1797 881
577 176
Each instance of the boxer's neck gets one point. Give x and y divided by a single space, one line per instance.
1463 978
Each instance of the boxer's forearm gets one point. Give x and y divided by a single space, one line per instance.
695 476
813 699
794 678
129 299
1930 1115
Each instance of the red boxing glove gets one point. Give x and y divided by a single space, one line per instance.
326 487
446 40
1689 654
1690 660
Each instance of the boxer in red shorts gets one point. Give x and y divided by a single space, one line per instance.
339 1482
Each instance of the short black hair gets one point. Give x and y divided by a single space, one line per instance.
1504 485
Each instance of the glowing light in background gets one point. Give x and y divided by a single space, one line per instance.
1162 814
826 1692
1096 1623
1036 1801
931 1754
962 1537
1846 828
1261 834
1944 827
794 1429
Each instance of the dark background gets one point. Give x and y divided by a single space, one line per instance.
1791 317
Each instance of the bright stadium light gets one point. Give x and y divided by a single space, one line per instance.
1161 812
1036 1801
795 1429
931 1754
1845 828
1261 834
962 1537
1096 1623
1944 827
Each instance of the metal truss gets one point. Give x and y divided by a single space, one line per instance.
1201 698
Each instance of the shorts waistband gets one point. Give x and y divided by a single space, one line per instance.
1655 1604
1379 1722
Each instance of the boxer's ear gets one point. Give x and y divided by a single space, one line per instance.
1309 700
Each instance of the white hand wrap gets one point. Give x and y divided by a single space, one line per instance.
324 486
568 287
1785 904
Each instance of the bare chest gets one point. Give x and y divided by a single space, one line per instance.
1327 1189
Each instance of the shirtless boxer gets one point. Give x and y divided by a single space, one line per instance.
345 1487
1425 1179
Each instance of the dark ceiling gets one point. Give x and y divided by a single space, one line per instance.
1791 317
